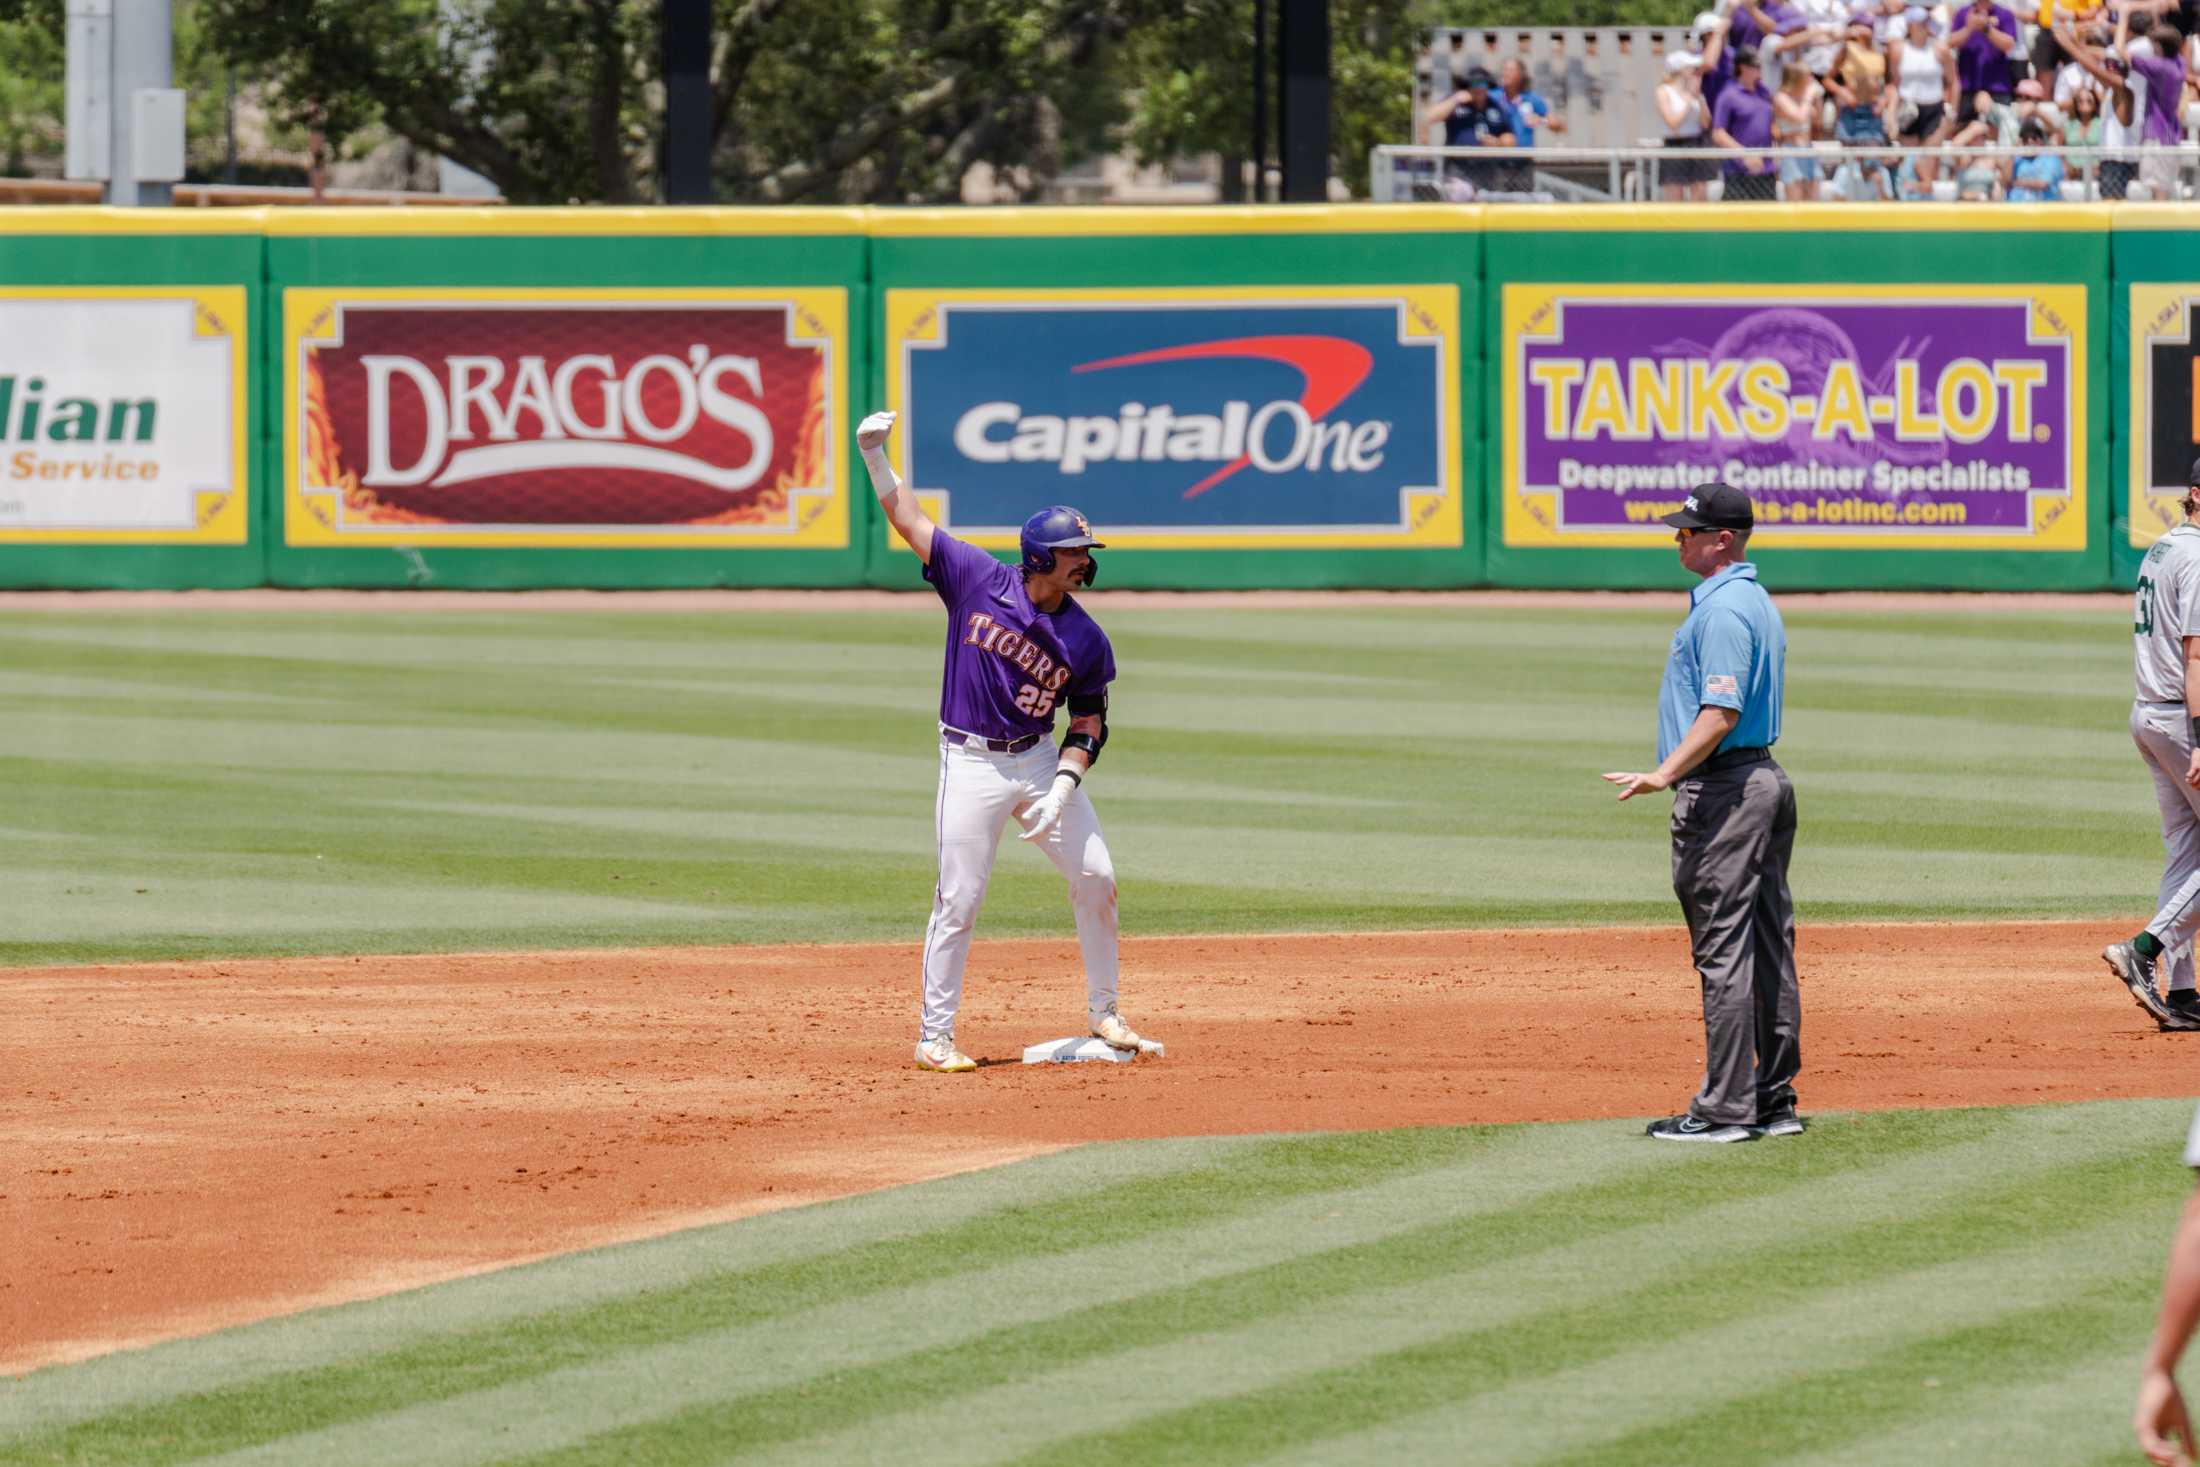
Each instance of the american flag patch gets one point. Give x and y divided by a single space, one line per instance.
1721 683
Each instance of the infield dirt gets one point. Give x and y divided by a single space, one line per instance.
197 1145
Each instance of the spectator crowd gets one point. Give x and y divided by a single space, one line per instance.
2049 86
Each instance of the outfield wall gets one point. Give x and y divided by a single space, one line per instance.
1375 396
130 397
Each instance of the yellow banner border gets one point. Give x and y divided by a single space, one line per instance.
2151 305
2058 313
1434 517
223 516
306 315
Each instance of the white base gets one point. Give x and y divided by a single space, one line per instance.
1070 1051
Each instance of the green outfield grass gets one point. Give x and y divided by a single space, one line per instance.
199 783
1908 1287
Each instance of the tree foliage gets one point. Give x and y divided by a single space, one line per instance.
31 70
814 100
820 101
1190 71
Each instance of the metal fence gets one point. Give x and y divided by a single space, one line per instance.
1645 175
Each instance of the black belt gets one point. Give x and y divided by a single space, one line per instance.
997 746
1733 759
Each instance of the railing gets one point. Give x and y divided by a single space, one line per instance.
1403 174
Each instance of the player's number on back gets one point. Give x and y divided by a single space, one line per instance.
2143 614
1035 700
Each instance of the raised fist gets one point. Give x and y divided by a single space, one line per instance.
871 432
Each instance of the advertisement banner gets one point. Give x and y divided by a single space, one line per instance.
1885 417
123 416
2164 416
1192 418
683 418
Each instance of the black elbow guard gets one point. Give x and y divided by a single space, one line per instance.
1088 705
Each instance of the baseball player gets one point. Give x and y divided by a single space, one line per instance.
2165 724
1018 645
2160 1418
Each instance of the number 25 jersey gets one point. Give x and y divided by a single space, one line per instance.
1009 664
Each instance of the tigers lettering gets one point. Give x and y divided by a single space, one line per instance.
988 635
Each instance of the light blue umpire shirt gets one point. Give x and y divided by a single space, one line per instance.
1731 652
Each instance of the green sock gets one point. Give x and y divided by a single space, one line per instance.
2149 946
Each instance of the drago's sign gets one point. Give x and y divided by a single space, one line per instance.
123 416
1856 416
565 418
1199 417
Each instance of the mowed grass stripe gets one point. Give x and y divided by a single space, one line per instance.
57 1396
1701 1290
867 1334
1314 1332
2088 1401
926 1313
1848 1184
1858 1403
477 1359
1572 1410
1604 1206
192 742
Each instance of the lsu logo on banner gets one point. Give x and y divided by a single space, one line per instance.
1184 418
564 418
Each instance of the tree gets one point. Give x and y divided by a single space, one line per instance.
561 100
1190 69
31 100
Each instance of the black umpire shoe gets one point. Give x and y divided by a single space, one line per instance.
2137 971
1780 1123
1687 1127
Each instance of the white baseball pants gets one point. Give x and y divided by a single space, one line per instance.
980 792
2164 738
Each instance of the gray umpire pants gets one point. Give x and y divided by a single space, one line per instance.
1733 831
2164 737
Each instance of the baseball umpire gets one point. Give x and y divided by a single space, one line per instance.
1017 644
1733 827
2165 724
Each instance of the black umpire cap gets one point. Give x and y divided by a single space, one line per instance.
1715 507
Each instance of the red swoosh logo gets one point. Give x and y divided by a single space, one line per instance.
1331 366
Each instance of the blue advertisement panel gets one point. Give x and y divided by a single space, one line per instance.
1198 418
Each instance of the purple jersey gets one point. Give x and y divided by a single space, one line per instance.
1009 664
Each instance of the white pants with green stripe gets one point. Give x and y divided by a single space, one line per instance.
2164 737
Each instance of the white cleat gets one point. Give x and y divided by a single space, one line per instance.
942 1055
1110 1029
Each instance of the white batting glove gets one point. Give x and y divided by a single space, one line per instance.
1047 813
871 432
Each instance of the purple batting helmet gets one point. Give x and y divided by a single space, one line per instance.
1057 527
